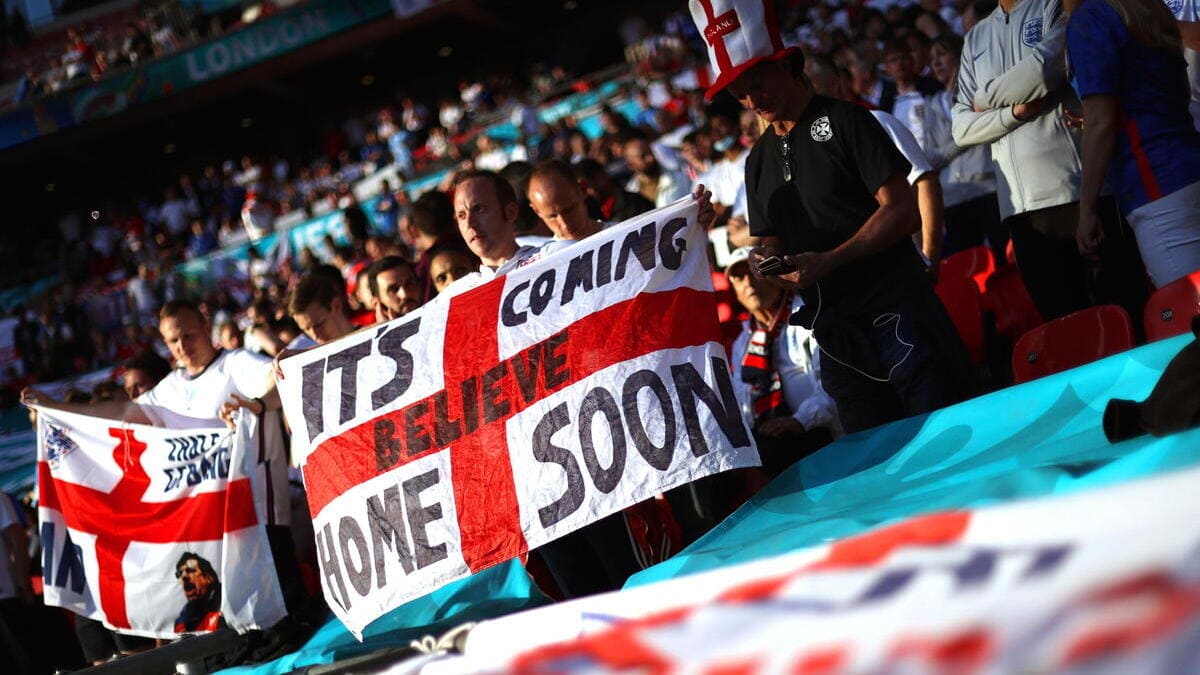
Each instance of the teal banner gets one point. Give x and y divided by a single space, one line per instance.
1039 438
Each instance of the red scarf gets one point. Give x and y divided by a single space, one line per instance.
758 366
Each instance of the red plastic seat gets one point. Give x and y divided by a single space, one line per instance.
964 304
1073 340
1170 309
976 263
1006 297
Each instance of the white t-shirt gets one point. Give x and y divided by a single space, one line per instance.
1185 10
182 401
906 143
8 517
910 111
725 179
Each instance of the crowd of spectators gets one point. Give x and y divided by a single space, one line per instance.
91 49
897 59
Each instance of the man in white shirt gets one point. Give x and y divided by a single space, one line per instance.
204 391
777 373
486 209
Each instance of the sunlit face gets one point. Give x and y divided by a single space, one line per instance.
399 291
136 382
187 335
754 294
323 324
484 223
560 204
195 583
230 338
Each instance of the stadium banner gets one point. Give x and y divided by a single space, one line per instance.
152 531
485 424
1076 583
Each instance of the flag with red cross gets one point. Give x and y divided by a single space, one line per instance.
494 420
152 531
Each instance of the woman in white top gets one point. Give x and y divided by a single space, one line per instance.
968 180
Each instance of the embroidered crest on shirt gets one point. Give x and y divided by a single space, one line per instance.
1175 6
1031 32
820 129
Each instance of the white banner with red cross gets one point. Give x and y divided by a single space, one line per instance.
151 531
489 423
1101 581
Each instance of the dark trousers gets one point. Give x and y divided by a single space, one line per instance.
974 223
287 568
593 559
877 377
1059 280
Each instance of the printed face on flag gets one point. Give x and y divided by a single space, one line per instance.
137 524
465 433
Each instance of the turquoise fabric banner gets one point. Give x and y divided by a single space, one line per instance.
1039 438
496 591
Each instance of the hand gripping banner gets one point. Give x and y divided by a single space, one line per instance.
491 422
151 531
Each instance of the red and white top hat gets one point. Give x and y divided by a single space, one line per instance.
739 33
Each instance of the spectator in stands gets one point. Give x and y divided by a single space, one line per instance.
485 208
137 46
868 86
208 386
1018 109
908 104
558 199
318 305
200 241
490 157
229 336
893 351
616 204
1124 55
450 265
395 286
967 177
650 179
142 373
430 225
175 212
17 602
823 76
777 372
258 215
387 210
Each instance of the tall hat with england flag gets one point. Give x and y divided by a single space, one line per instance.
739 34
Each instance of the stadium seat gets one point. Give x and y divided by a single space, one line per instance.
727 304
1008 300
976 263
1170 309
963 303
1073 340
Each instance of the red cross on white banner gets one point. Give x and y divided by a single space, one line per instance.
121 517
484 489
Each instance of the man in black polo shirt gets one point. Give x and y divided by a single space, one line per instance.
827 192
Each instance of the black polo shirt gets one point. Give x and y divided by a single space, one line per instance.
840 156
